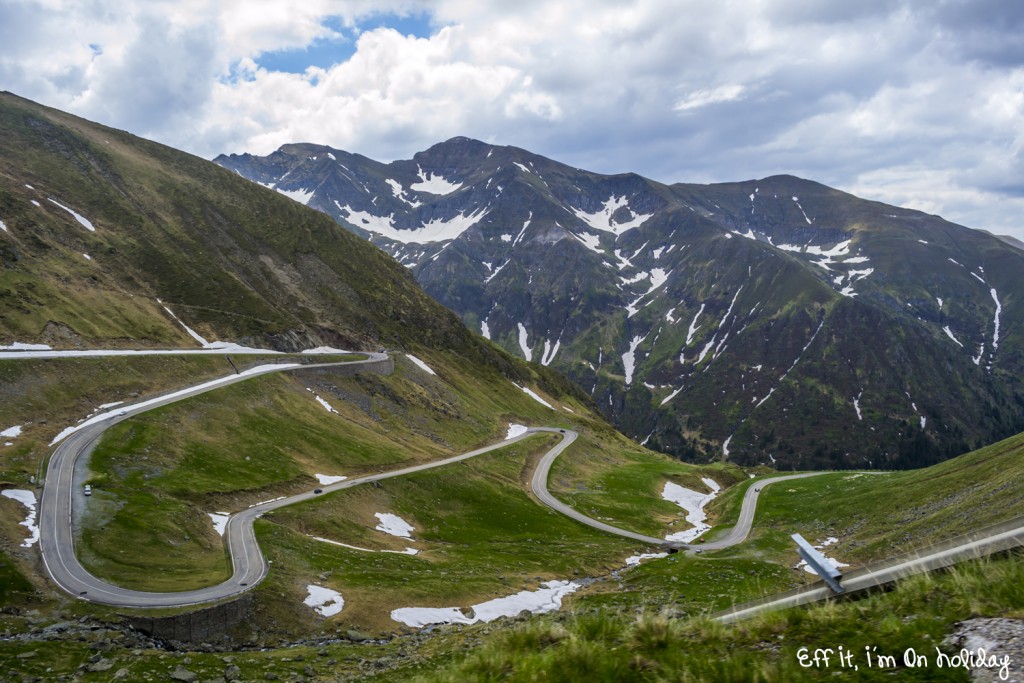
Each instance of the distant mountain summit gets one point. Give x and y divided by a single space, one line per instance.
775 320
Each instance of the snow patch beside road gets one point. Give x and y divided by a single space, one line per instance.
515 430
28 499
328 479
220 521
634 560
20 346
831 540
693 502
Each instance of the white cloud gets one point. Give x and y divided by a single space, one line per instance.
928 97
702 98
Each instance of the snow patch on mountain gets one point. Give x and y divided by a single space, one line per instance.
981 353
658 277
399 192
325 601
523 342
796 200
550 351
711 344
420 364
327 406
532 394
797 360
301 196
603 220
995 321
437 230
671 396
629 358
85 222
434 184
192 333
694 326
829 255
949 333
522 232
394 525
591 242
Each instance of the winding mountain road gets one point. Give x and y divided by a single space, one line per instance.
539 485
56 541
249 566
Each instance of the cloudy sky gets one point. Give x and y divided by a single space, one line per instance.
918 103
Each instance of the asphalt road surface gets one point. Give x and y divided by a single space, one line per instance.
55 525
981 543
249 566
539 485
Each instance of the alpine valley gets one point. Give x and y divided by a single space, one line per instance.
241 443
773 321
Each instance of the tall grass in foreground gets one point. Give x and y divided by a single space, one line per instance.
607 645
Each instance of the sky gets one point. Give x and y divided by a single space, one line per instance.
917 103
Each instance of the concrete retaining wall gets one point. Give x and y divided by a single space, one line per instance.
195 627
380 367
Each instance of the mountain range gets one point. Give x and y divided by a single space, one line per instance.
774 321
108 240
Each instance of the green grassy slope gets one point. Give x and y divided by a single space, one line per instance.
233 260
608 646
156 476
877 516
477 531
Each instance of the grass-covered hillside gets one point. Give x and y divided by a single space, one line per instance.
479 536
103 229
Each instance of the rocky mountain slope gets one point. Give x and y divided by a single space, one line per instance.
776 321
110 240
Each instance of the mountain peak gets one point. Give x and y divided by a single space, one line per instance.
700 317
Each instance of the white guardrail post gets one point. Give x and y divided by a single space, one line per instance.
818 563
